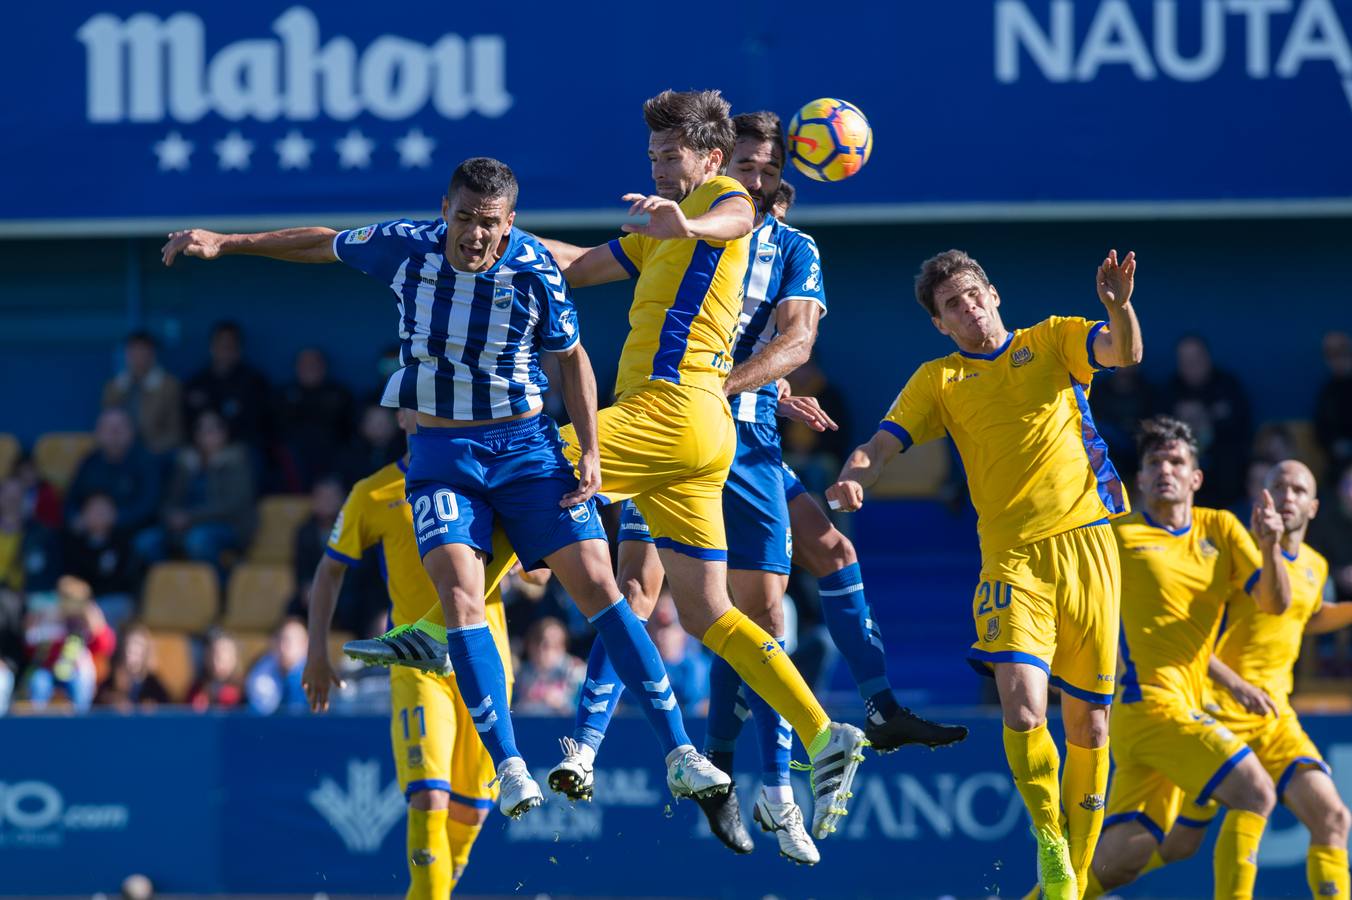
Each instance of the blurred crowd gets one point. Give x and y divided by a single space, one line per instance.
242 480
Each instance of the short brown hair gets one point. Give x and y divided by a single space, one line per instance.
938 269
1159 431
763 126
699 119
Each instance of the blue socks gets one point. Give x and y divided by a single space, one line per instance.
851 624
730 702
600 694
483 685
638 664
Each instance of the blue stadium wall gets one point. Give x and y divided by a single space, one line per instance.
1262 291
299 805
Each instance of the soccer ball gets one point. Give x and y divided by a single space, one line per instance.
829 140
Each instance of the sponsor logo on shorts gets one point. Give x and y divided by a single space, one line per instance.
360 235
1092 802
1108 678
1022 357
415 755
992 629
580 513
428 535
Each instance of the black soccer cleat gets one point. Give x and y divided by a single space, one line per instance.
905 727
725 820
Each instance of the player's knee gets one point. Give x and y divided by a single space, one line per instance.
1257 794
467 815
833 552
1332 827
1182 842
1023 718
426 800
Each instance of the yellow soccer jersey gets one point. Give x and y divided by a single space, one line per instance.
1020 417
686 302
1262 648
1174 589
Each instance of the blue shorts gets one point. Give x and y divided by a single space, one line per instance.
755 509
462 480
793 486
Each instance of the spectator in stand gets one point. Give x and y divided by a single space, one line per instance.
120 468
1333 408
313 420
274 683
549 677
817 455
149 394
98 553
379 441
69 645
209 507
29 551
218 684
687 663
232 389
42 503
312 539
132 682
1213 402
1120 400
11 644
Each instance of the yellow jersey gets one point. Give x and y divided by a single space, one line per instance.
686 302
1020 418
1174 589
1263 648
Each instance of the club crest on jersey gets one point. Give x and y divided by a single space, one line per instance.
415 755
1208 549
360 235
765 251
1022 357
580 513
992 629
502 295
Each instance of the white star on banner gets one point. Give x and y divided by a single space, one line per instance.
354 150
293 151
415 149
233 152
173 152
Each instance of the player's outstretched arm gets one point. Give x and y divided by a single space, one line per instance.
862 470
666 220
585 266
319 676
302 245
1331 617
796 327
1120 343
1272 593
1253 699
579 398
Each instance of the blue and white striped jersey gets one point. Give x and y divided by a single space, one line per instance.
471 340
785 265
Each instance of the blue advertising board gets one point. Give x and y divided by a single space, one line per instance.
126 117
241 805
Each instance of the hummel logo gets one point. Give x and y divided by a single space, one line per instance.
363 814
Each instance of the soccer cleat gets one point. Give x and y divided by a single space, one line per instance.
518 793
725 820
905 727
572 777
833 772
403 645
1055 873
785 821
690 774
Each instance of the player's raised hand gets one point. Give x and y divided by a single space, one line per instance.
846 496
665 218
588 480
319 678
193 242
1267 521
806 410
1115 280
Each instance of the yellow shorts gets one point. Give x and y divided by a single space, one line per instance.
1168 759
1280 742
433 737
1053 604
669 447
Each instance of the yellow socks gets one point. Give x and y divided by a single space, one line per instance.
1236 863
1084 791
461 837
1033 761
1326 869
768 671
1092 887
429 855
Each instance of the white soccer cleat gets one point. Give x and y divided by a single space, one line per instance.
690 774
573 776
785 821
518 792
833 771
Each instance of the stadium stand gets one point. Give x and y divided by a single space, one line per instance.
58 455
